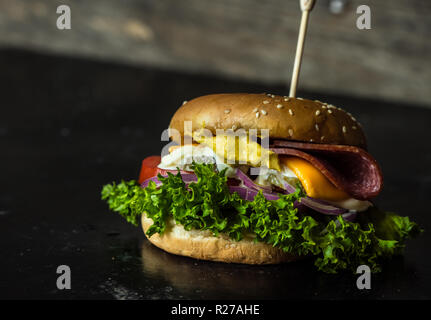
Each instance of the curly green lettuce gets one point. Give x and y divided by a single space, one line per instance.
335 243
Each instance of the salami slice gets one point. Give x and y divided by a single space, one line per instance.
349 168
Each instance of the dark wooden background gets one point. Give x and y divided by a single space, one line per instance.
249 39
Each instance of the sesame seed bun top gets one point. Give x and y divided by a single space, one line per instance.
286 118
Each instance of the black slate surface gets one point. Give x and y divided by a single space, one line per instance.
68 126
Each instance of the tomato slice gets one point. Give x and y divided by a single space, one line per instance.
149 168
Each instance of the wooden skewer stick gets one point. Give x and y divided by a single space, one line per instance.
306 7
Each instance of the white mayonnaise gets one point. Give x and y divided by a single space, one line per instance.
184 156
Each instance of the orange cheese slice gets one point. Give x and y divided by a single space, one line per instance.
315 184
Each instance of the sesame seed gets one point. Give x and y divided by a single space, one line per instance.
322 137
265 102
269 95
272 96
264 112
291 112
227 111
329 111
354 128
353 118
234 127
290 132
299 98
317 112
286 99
311 140
279 106
344 129
323 107
184 102
317 127
255 109
257 114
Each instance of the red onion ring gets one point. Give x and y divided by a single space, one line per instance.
249 194
246 180
322 207
350 216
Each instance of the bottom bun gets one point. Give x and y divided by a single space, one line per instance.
203 245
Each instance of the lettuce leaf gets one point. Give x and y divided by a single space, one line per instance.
207 204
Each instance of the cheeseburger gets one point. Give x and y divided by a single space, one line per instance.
264 179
